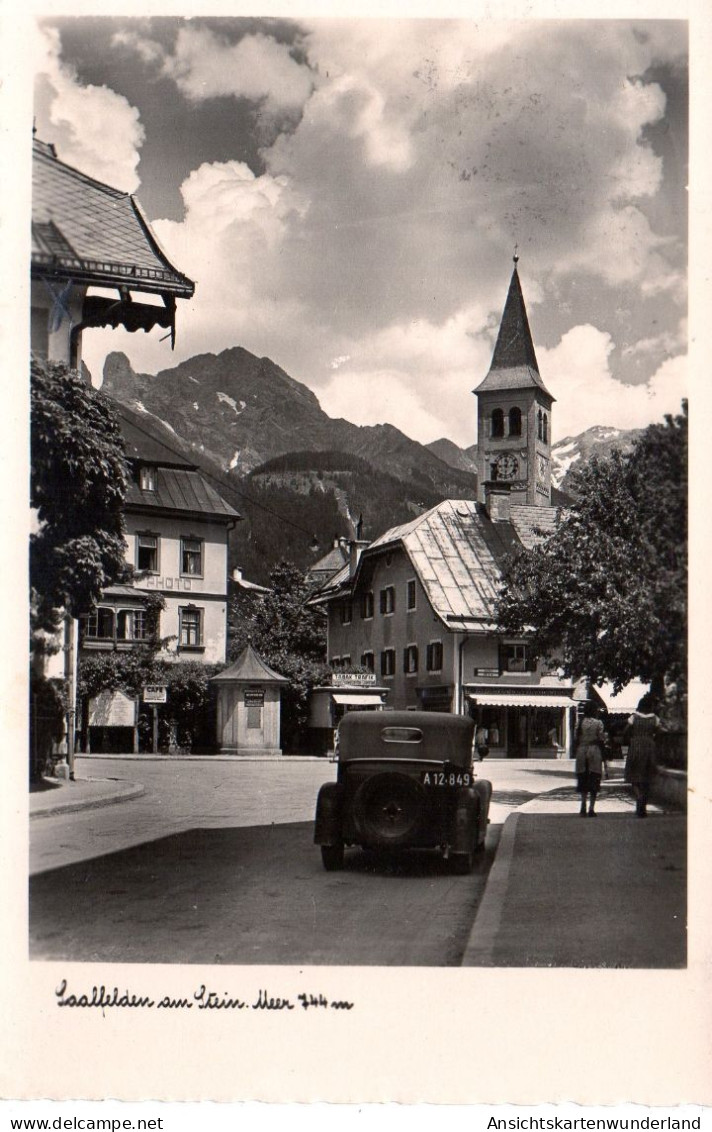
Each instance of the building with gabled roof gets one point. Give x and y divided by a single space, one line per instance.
88 234
177 532
417 606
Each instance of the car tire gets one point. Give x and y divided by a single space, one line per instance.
332 857
388 810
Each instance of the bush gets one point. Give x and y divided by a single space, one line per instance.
47 708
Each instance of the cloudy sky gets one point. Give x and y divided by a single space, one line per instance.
347 195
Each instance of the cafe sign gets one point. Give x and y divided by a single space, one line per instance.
155 694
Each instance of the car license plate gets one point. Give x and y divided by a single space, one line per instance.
446 778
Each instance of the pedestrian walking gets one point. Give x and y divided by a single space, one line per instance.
590 758
640 735
481 741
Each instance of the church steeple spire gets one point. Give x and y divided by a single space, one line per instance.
514 346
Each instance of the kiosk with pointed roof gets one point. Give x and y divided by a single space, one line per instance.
249 695
514 413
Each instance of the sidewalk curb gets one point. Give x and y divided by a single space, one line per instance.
94 803
483 934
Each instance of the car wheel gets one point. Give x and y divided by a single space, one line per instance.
388 810
332 857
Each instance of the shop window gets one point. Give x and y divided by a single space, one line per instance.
190 631
388 600
515 422
191 557
367 606
410 595
434 656
388 662
410 659
497 422
147 477
147 553
346 612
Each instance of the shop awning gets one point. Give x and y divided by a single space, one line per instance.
357 701
521 699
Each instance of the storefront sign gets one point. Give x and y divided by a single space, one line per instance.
352 679
155 694
254 696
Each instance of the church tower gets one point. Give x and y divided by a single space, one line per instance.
514 412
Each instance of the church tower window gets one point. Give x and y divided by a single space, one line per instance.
539 425
545 429
515 422
497 422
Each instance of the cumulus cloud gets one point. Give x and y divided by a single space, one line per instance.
370 258
74 117
577 372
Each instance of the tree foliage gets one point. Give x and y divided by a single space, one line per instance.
78 485
606 592
291 637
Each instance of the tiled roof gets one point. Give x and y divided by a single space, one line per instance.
180 489
251 668
142 444
88 231
458 553
514 364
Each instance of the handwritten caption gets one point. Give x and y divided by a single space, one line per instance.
101 998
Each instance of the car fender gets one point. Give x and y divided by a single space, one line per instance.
465 821
329 811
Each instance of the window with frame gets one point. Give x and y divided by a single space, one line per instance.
367 605
147 553
515 422
368 661
131 625
147 477
515 657
388 662
346 612
191 557
540 425
410 660
99 624
545 429
346 661
190 631
388 600
497 422
434 656
410 595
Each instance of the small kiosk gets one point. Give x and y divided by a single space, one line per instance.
348 691
249 696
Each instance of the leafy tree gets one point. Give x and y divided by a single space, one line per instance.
78 485
291 637
605 594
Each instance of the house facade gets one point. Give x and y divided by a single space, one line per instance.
417 605
177 530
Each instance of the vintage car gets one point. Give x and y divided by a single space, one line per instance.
405 780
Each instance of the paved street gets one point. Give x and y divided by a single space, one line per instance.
215 863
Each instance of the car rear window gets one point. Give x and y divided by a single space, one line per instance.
402 735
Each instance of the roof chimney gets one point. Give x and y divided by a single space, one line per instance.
497 501
356 548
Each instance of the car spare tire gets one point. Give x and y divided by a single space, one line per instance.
388 810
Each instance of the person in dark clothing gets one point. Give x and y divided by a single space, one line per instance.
590 758
640 735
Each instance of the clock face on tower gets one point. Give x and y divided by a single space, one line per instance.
506 467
